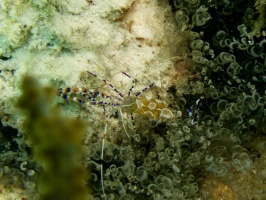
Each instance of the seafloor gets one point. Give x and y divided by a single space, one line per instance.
203 58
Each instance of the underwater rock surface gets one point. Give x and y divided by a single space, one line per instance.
206 60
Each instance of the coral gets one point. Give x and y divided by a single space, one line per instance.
206 58
56 143
19 21
63 40
228 86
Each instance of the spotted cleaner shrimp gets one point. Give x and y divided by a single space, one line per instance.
132 104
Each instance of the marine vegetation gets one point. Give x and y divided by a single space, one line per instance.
211 67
